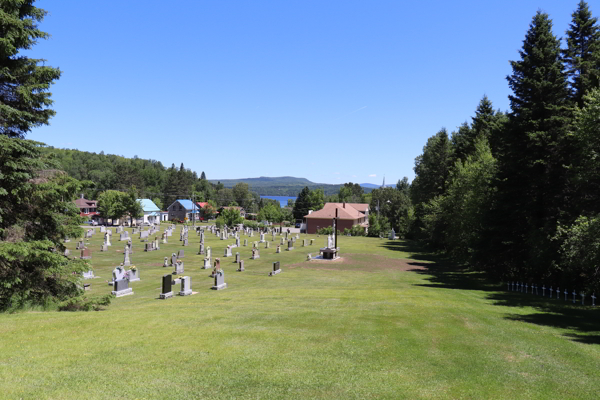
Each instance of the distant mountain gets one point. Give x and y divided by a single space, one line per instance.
281 186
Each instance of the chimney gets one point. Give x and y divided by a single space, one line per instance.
310 212
81 195
344 205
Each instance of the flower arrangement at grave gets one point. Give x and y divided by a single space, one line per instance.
133 268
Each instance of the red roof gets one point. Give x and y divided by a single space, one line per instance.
345 211
83 203
201 204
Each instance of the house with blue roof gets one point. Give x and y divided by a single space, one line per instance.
151 211
182 209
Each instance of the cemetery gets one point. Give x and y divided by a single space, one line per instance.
384 316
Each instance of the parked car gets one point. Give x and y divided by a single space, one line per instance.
91 222
298 225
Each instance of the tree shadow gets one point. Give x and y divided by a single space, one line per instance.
443 274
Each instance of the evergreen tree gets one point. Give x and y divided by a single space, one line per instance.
24 84
531 158
432 168
302 204
582 55
203 176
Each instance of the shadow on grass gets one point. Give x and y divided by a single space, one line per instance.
442 274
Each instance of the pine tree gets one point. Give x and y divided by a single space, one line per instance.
582 55
531 158
24 84
203 176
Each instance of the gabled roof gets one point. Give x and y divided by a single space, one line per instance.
201 204
187 204
362 207
84 203
148 205
328 212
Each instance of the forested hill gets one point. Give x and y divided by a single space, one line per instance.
150 177
280 186
153 180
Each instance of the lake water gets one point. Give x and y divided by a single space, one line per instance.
281 199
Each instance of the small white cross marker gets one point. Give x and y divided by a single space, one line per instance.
557 293
574 294
593 299
566 294
582 298
551 291
544 291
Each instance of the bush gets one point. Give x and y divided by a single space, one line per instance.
219 222
251 224
328 230
85 304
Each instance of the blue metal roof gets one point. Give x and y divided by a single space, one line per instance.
148 205
187 204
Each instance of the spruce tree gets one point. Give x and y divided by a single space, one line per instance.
24 83
532 156
581 57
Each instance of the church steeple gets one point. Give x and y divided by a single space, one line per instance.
383 184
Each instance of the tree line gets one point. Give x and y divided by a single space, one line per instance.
517 193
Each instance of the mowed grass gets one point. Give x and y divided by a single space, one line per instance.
388 321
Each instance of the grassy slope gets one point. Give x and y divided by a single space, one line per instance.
334 331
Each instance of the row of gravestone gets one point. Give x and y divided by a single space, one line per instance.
524 288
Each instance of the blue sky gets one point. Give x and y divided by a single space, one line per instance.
332 91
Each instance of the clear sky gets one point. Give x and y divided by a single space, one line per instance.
332 91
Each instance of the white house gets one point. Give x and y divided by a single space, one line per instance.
151 211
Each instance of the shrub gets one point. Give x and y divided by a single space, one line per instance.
250 224
84 304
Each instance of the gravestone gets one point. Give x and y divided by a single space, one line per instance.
245 242
262 237
219 281
117 274
206 263
164 238
185 242
308 257
68 253
173 259
208 252
121 288
134 274
126 262
290 245
102 229
276 269
278 249
281 241
79 245
67 240
312 241
266 245
186 286
241 264
227 252
255 254
123 236
86 254
178 268
237 242
167 290
107 239
201 249
217 267
303 242
237 257
392 234
181 254
156 245
166 263
144 235
88 275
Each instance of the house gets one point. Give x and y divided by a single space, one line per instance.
182 209
164 215
349 215
87 208
151 211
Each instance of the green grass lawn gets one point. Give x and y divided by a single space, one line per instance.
388 321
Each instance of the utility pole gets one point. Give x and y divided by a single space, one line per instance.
194 210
